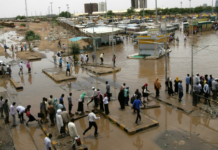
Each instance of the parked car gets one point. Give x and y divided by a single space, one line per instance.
6 67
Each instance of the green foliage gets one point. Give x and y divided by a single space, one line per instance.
74 48
30 36
20 17
23 24
130 11
65 14
110 14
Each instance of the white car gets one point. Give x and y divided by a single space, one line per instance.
5 67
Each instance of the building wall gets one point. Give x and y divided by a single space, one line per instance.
141 3
102 6
134 3
91 7
216 4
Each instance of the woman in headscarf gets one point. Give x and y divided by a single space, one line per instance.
31 118
59 120
176 85
106 104
100 97
28 66
121 99
126 95
55 104
145 92
169 86
157 86
138 94
80 104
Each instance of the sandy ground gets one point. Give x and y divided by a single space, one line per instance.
45 43
25 54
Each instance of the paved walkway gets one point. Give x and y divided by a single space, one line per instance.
185 105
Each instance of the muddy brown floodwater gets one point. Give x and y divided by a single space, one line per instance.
176 130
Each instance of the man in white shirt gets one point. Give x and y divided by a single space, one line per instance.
102 58
92 117
73 132
21 67
47 142
20 110
64 47
12 110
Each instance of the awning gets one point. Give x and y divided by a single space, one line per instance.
78 38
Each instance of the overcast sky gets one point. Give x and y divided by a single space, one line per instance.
11 8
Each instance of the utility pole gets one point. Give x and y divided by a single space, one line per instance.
144 10
59 10
94 45
190 6
192 74
212 7
27 15
106 7
181 4
166 51
113 44
49 10
51 7
156 10
66 28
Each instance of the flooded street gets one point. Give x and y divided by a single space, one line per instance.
174 125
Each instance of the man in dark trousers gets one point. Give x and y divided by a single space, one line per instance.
108 91
92 117
187 83
70 103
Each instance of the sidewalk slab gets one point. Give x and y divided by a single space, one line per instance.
33 58
185 105
16 85
125 119
100 69
58 75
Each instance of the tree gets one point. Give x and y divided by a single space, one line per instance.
30 36
110 14
74 49
20 17
130 11
65 14
198 9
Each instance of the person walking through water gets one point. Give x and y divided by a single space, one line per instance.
64 47
126 95
31 118
12 111
68 69
136 104
114 60
28 67
21 68
80 103
92 117
176 85
102 58
157 86
6 110
93 57
108 90
73 132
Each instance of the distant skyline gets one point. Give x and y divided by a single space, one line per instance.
12 8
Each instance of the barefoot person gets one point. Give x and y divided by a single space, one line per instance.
20 111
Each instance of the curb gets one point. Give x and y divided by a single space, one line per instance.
123 127
54 143
172 105
102 73
16 85
55 79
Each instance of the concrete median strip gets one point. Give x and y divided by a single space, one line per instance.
100 69
16 85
